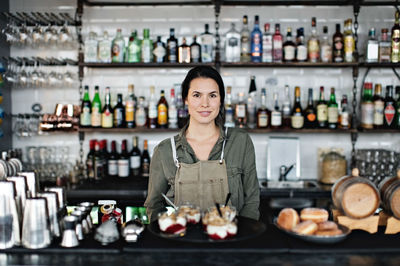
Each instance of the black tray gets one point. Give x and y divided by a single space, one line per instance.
247 229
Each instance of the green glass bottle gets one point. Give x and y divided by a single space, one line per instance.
134 48
86 110
147 47
96 108
333 112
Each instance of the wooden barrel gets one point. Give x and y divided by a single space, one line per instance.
389 189
355 196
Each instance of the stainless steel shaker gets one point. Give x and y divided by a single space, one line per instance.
52 208
69 238
32 183
21 189
61 199
7 190
36 227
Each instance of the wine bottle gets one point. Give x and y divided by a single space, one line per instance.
96 108
162 111
322 110
119 112
86 109
297 112
333 114
310 114
135 158
172 47
107 113
145 161
123 161
112 161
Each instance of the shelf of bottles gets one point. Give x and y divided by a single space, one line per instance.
133 65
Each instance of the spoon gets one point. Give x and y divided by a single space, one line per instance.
169 201
228 196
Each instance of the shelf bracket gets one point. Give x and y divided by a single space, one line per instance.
217 10
354 137
354 121
356 11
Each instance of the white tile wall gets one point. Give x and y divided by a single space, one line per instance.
188 21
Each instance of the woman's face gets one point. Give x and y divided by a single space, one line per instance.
203 100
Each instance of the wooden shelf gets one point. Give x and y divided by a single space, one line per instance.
128 130
378 131
141 65
381 65
289 64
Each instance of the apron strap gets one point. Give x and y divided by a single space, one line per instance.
223 145
174 152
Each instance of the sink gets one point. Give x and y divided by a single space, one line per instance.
288 184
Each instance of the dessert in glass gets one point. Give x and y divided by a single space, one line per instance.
228 212
172 224
191 212
219 228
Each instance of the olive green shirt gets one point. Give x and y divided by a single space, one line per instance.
240 163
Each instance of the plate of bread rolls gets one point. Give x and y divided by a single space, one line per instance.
311 225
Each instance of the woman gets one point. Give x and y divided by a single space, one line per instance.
204 162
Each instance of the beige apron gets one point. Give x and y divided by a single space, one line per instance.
203 183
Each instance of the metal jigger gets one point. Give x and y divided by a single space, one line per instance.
85 223
69 239
78 225
88 217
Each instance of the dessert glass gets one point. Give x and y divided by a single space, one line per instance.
191 212
172 224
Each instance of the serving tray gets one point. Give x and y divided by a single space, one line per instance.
247 229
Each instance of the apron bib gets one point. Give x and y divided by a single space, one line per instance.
202 183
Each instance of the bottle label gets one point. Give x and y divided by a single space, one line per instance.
117 52
395 46
333 115
241 110
326 53
289 53
277 44
390 111
146 53
90 52
263 120
276 118
135 162
112 167
140 117
337 49
162 114
384 53
145 169
378 112
297 121
267 48
96 117
256 47
104 52
85 116
134 53
229 116
367 114
107 119
185 55
301 53
152 111
195 53
172 116
159 51
322 112
89 168
206 53
172 51
130 111
313 50
344 119
311 117
123 168
349 47
118 117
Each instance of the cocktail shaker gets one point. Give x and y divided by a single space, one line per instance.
20 197
32 183
52 208
7 189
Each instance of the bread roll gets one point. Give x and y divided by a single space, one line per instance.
288 218
317 215
328 225
335 232
306 228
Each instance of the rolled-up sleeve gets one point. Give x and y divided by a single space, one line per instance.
250 183
157 184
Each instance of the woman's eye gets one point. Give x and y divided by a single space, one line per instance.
196 95
213 95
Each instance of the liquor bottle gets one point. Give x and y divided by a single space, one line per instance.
349 43
367 107
118 48
297 112
372 51
395 54
96 108
245 41
134 48
195 51
162 111
232 45
107 112
256 41
344 116
112 161
251 104
104 156
207 41
379 106
130 106
276 114
172 47
123 161
86 110
184 52
289 47
90 52
145 160
182 111
140 115
159 51
313 43
322 109
338 46
310 114
390 110
263 114
147 47
397 116
98 163
135 157
301 48
333 112
172 111
287 109
104 49
229 112
277 41
119 112
267 44
384 47
326 47
89 160
240 112
152 116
